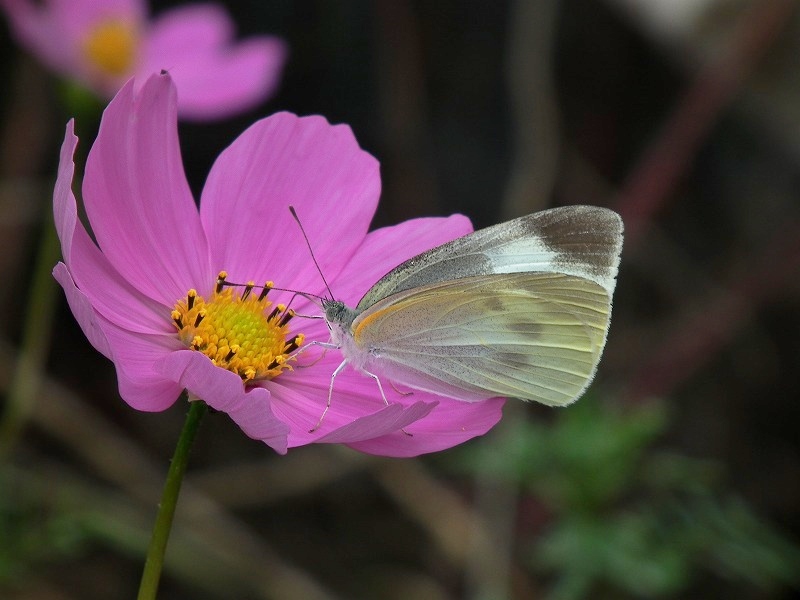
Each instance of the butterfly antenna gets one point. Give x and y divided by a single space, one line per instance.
310 250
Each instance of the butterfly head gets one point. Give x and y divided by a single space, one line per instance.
339 317
336 312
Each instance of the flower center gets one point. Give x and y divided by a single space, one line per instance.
111 46
237 331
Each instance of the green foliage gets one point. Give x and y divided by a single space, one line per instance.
626 516
34 528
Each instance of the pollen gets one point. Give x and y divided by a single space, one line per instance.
237 329
111 46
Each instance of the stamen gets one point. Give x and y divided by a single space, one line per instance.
223 275
287 317
278 309
265 290
294 343
277 362
238 331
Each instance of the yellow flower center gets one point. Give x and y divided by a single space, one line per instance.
237 331
111 46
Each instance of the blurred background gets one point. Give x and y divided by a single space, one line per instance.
676 476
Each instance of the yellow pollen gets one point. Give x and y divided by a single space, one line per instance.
111 46
240 332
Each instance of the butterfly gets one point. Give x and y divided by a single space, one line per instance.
520 309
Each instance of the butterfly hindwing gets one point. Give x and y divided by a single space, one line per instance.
535 336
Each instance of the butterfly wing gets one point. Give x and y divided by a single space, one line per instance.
582 241
535 336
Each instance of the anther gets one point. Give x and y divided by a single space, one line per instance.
201 314
176 317
247 289
234 349
278 309
223 275
265 290
277 362
287 317
190 298
294 343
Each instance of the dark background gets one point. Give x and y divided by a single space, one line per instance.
678 475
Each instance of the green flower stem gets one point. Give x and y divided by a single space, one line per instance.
35 343
169 499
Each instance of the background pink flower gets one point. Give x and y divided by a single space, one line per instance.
102 43
153 245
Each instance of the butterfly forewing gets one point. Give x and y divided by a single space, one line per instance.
583 241
535 336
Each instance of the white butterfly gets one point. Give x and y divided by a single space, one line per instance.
520 309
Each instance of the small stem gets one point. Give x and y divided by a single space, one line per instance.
35 342
169 499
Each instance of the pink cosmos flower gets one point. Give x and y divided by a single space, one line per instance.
102 43
145 292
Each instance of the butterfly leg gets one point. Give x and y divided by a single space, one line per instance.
324 345
330 394
380 386
385 401
402 393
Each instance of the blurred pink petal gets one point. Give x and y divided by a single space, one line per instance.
102 44
54 30
147 295
215 76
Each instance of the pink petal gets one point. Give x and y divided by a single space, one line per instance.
216 77
280 161
385 248
82 309
134 355
224 391
449 424
137 358
65 212
388 420
148 394
299 398
137 198
108 293
348 420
